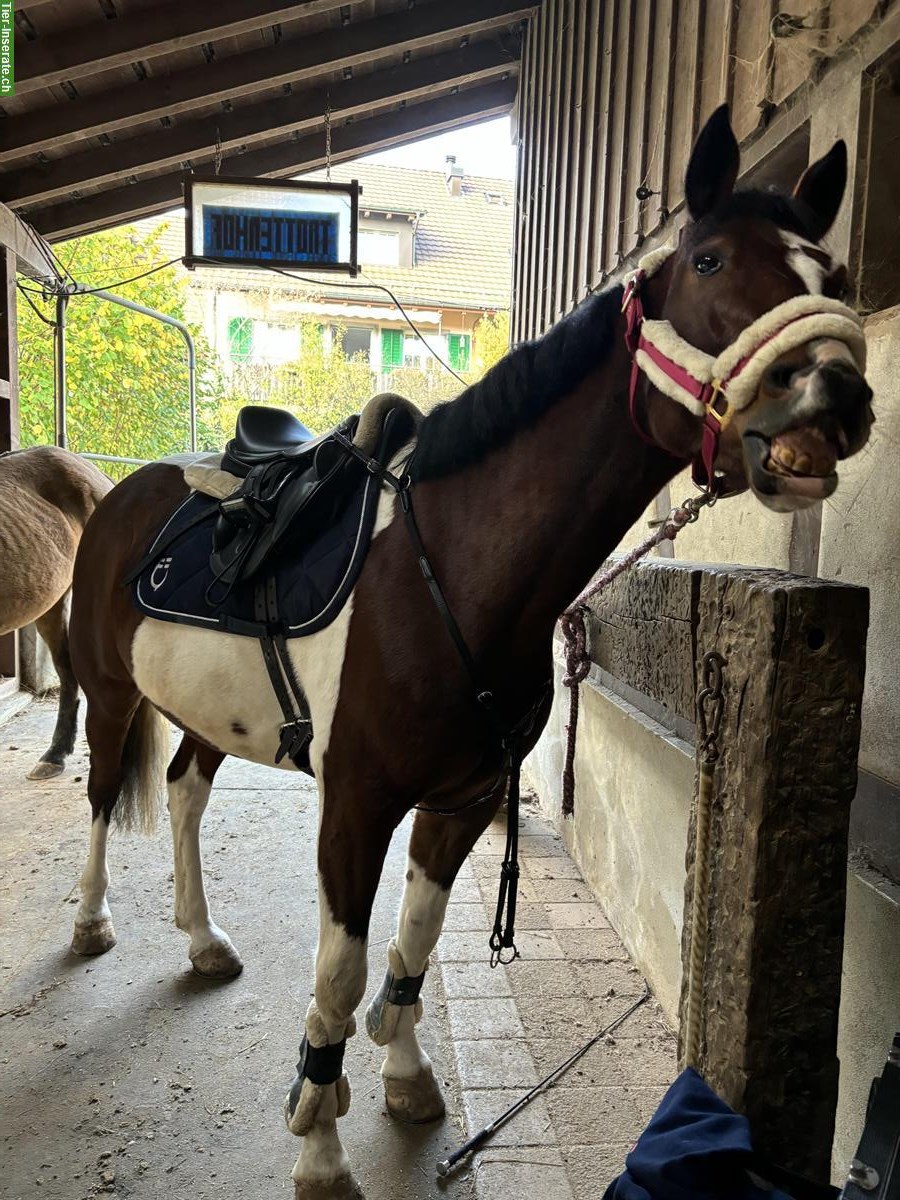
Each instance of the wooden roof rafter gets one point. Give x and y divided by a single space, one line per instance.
55 126
292 157
302 110
148 33
112 109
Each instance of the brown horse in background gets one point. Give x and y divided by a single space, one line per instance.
521 487
46 498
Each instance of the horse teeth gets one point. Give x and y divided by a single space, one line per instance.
802 463
785 455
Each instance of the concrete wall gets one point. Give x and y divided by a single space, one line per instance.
870 1004
861 544
629 833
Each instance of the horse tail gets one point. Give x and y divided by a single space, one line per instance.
144 759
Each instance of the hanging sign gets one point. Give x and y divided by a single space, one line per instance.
283 223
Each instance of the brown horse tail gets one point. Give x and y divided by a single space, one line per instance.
144 761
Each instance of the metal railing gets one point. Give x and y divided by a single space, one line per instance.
61 390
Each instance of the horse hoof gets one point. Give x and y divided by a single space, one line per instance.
416 1101
344 1187
219 961
45 770
94 938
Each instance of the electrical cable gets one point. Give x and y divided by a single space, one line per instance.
46 320
381 288
69 288
369 285
46 249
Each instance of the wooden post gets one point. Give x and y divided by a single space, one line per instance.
9 367
9 417
793 683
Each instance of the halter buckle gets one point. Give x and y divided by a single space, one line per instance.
723 419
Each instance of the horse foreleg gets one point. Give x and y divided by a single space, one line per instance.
53 628
351 855
189 780
437 849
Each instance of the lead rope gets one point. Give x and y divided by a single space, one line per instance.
710 705
572 623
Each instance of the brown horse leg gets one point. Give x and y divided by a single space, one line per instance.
189 779
437 849
107 730
353 839
53 628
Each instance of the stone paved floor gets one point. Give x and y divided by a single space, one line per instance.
514 1024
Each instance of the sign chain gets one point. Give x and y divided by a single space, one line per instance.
328 136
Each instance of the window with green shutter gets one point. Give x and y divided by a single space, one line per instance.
240 338
459 347
391 349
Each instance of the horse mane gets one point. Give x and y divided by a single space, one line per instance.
517 390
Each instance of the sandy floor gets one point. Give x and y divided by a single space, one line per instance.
129 1076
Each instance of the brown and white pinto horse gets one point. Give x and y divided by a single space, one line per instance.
46 498
522 486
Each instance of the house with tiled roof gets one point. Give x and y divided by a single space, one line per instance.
440 241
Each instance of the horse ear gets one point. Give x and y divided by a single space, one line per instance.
820 189
713 168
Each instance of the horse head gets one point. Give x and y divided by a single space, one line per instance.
753 334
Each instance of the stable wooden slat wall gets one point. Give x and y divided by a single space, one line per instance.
613 95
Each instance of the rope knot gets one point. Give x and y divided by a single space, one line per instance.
574 631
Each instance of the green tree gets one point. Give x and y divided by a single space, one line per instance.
321 388
127 380
491 341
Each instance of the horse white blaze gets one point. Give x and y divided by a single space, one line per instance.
805 259
422 913
188 797
95 878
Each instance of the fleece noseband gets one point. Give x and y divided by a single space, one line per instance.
714 388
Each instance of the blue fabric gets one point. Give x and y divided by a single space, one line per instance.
695 1148
313 579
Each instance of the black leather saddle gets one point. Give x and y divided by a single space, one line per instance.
294 486
263 435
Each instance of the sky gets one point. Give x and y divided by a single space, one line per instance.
484 149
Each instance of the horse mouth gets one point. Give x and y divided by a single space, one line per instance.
795 468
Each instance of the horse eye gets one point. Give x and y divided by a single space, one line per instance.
707 264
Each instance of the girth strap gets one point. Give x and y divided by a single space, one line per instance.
296 729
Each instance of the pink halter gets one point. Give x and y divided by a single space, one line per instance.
788 324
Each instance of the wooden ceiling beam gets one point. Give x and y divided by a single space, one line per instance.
59 125
293 157
71 54
301 110
31 257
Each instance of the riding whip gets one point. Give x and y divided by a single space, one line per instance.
446 1165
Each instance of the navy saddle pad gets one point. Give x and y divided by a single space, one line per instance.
312 577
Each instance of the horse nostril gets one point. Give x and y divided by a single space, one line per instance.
780 377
